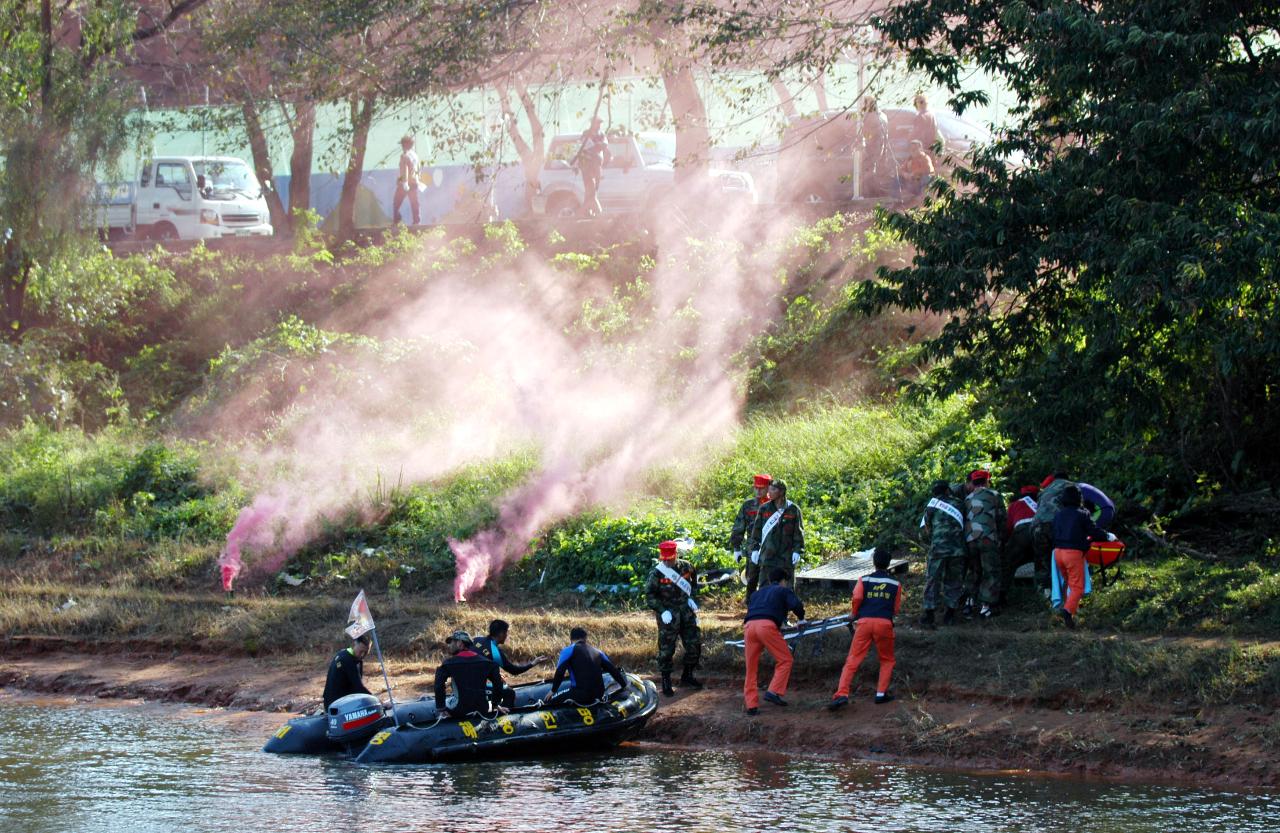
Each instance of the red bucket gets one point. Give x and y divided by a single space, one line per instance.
1104 553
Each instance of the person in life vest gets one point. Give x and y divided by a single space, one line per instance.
744 523
1051 489
877 598
1073 534
943 523
672 586
777 539
984 526
767 611
1017 536
346 671
493 647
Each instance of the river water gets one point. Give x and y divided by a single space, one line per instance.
139 769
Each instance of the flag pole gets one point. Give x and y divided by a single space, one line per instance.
385 679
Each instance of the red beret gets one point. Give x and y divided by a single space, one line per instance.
979 474
1030 490
762 481
1044 484
667 549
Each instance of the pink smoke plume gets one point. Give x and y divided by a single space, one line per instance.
484 370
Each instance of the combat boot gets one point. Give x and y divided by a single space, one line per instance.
949 618
688 679
666 684
927 620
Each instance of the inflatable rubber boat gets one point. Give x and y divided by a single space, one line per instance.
359 725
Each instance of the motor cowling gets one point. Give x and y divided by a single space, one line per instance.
354 718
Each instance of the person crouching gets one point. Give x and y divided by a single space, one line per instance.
766 614
876 599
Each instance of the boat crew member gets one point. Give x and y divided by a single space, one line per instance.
943 523
744 523
346 670
491 647
672 585
767 611
586 666
877 598
1017 535
777 539
1051 489
983 526
472 676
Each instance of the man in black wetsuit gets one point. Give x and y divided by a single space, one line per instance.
469 672
346 670
493 647
585 665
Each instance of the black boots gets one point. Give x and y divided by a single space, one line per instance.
949 618
666 684
688 679
927 620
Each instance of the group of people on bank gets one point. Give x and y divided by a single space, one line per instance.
975 543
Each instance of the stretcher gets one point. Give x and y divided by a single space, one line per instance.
796 632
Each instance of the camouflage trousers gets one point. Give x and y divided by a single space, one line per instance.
684 628
984 575
944 580
1018 550
1042 551
758 574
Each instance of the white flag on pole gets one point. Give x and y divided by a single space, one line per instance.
359 620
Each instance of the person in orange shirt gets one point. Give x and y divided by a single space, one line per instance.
876 599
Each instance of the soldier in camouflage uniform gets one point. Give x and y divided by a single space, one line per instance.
676 614
744 523
984 524
1047 506
778 542
943 523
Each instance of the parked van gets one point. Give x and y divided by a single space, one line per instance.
197 198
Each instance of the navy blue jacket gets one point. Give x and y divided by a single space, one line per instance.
1073 529
772 602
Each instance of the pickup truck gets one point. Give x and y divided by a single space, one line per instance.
638 176
186 198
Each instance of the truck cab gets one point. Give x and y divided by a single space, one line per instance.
198 198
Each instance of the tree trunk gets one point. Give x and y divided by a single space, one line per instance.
361 118
303 129
15 270
262 163
690 117
786 100
820 90
533 153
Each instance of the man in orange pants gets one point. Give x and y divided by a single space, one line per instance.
766 614
876 598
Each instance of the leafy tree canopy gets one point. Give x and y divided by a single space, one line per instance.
1117 288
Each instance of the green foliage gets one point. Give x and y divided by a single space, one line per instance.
1120 289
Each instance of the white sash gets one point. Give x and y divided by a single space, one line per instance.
943 506
1030 502
771 522
679 581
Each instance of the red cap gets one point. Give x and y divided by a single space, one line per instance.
667 550
1030 490
979 474
761 481
1044 484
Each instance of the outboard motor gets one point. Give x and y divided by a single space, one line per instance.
355 718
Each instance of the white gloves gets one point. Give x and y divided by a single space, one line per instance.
737 555
755 556
795 558
666 617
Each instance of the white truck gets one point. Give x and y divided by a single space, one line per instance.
640 174
187 198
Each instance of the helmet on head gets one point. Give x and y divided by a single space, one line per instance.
460 636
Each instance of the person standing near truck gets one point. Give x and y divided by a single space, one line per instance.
406 182
593 155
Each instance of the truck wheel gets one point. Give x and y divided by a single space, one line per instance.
164 231
562 206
